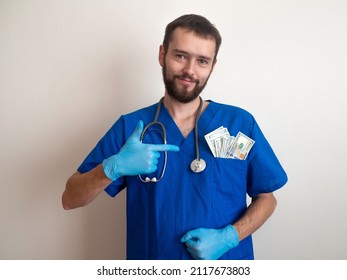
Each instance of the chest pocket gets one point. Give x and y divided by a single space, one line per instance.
230 183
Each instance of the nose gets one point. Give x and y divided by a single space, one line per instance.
189 67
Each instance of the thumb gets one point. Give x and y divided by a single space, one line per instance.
192 234
137 132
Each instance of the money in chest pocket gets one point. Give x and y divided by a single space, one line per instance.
223 145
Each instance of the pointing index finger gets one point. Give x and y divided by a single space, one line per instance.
163 147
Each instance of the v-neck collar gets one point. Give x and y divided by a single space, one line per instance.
174 133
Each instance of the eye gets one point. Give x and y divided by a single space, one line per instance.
180 56
203 62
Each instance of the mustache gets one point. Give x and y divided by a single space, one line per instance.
188 77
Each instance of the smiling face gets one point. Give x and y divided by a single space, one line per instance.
187 64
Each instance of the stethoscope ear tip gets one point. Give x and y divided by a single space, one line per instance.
154 179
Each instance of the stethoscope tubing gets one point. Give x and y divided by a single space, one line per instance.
197 165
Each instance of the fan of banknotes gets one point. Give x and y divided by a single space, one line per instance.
223 145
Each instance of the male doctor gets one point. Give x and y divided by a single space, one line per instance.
194 210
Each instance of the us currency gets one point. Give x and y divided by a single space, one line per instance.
228 144
223 145
214 137
243 145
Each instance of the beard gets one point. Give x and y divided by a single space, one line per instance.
182 95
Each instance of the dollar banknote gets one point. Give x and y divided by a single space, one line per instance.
243 144
223 145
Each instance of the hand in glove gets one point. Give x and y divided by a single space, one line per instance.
135 158
210 244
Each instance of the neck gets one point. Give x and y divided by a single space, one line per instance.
181 111
184 114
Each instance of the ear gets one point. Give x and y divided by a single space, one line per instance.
161 56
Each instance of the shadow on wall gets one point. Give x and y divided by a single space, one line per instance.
104 226
98 230
103 222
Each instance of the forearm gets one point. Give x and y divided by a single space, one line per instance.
260 209
134 158
81 189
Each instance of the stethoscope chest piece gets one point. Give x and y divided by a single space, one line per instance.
198 165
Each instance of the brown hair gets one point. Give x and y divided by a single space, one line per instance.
196 23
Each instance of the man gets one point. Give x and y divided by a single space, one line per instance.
195 209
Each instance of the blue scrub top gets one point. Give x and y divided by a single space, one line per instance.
159 214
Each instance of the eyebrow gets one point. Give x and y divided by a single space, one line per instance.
188 54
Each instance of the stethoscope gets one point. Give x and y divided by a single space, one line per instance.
197 165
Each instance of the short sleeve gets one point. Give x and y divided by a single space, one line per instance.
108 145
265 173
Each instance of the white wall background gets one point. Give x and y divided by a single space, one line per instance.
68 69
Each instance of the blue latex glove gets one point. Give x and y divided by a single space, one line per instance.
210 244
135 157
